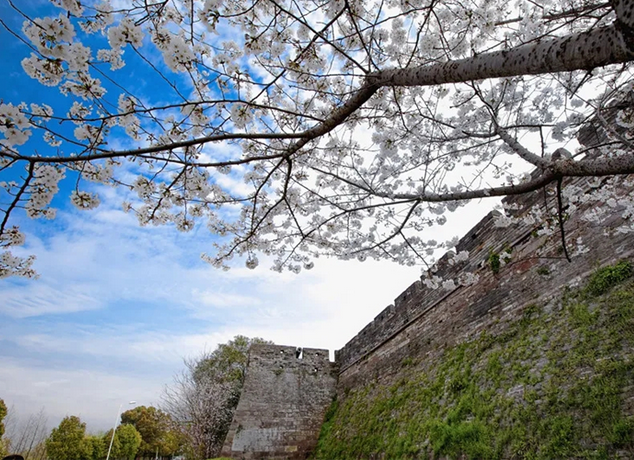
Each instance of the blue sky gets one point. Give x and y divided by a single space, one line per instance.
117 307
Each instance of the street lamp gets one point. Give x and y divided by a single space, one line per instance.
116 422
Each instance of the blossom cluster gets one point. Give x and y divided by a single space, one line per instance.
284 127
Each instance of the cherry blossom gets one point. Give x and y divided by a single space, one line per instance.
347 128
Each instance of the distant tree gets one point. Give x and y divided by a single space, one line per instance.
68 441
3 414
203 398
129 441
126 442
27 437
156 429
38 452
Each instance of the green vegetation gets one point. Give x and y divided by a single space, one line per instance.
550 386
494 262
3 414
607 277
68 441
125 444
157 431
543 270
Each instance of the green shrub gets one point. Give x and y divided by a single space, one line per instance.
469 438
494 262
607 277
623 433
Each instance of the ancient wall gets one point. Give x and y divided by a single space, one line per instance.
286 393
424 321
286 396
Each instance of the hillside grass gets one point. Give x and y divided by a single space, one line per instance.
551 386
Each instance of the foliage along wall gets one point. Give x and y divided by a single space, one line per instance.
557 382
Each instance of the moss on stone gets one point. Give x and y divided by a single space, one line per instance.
550 386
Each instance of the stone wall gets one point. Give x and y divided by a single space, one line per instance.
423 321
286 393
288 390
517 285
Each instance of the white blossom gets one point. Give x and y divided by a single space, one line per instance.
449 285
12 236
79 111
112 56
124 33
240 115
84 200
72 6
305 128
11 265
13 125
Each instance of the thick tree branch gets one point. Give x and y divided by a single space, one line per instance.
582 51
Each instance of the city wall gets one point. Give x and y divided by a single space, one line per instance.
422 322
285 396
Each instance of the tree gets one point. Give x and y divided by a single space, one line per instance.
203 398
126 442
3 414
343 128
68 441
27 437
158 436
97 446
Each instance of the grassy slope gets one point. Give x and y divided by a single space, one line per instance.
551 386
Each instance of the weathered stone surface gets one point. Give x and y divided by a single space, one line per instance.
422 321
285 396
286 393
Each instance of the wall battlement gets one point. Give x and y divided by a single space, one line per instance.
484 241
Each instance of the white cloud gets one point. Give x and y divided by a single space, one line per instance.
44 299
93 396
148 348
212 298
